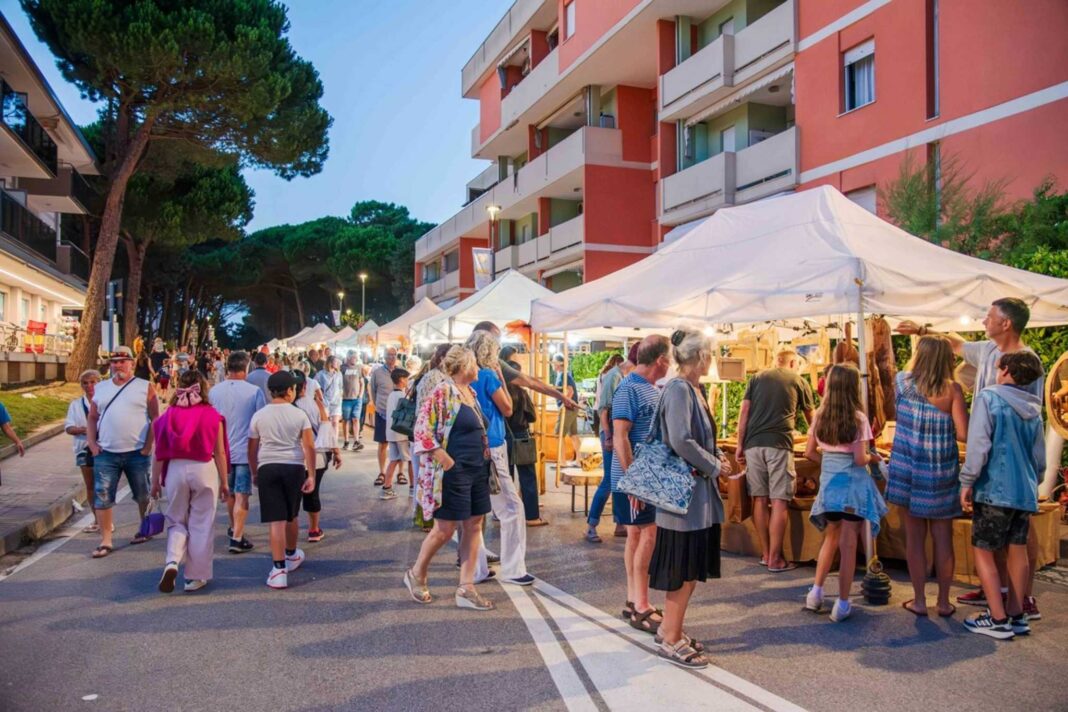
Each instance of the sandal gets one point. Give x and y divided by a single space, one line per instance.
470 598
643 622
380 480
418 590
790 566
695 644
101 551
402 480
92 528
907 605
140 539
949 613
593 537
628 610
683 655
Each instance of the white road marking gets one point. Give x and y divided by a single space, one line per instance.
622 664
62 537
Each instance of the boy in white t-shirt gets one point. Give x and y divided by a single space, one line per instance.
398 443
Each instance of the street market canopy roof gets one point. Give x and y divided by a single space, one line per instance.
318 334
347 333
299 334
799 257
506 299
274 344
396 330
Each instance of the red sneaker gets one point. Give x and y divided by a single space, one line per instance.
1030 609
975 598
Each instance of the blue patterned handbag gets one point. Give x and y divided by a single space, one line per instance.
658 476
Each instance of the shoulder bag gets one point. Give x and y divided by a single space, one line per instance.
658 476
404 416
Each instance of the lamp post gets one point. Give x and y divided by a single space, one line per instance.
494 211
363 295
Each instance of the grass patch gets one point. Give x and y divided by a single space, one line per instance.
49 405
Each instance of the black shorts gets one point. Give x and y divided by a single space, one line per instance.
380 427
464 494
278 486
995 527
841 516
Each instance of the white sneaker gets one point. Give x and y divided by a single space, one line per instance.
387 494
170 573
814 601
278 578
293 562
194 585
841 610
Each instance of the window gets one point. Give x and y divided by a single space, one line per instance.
932 59
859 84
431 272
452 261
3 306
569 19
24 311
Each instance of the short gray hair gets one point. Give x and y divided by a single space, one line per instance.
690 346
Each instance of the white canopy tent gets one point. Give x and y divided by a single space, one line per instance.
811 255
274 344
299 334
506 299
397 330
346 333
367 331
318 334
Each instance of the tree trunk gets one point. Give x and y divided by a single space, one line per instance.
300 304
183 340
135 252
87 344
164 321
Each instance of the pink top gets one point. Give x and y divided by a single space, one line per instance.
864 434
189 433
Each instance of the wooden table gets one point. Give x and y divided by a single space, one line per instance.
577 477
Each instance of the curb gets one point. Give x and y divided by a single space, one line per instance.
57 513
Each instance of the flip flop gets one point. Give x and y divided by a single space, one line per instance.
140 539
952 610
790 566
101 551
907 605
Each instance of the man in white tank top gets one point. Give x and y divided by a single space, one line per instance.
119 435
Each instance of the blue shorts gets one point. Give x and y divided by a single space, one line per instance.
240 479
108 468
84 458
621 511
350 409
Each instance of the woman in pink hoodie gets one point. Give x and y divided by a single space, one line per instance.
189 436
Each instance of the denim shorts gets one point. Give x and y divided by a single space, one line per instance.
108 468
240 479
350 408
84 458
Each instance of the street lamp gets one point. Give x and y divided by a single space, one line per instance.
494 211
363 295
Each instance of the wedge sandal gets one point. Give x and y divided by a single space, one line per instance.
418 590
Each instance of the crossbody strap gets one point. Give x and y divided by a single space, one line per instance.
100 418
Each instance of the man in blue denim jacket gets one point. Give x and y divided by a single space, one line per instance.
999 482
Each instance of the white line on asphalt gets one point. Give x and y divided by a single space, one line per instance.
64 535
572 689
604 655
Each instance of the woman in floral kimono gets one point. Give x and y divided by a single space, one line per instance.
453 450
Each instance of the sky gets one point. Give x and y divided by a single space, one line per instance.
391 76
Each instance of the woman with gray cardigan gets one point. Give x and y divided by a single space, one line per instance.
687 545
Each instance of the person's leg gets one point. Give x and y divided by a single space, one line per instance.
1019 566
508 507
390 469
781 475
847 565
1033 563
528 487
200 548
987 569
642 556
471 540
916 557
177 513
436 538
277 536
106 473
136 467
942 537
630 550
291 532
87 478
576 444
827 551
603 492
760 523
675 612
777 533
382 449
312 502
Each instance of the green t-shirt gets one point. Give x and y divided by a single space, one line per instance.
774 397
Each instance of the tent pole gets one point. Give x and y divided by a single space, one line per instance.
862 343
450 328
560 417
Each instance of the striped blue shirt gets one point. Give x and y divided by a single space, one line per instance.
635 400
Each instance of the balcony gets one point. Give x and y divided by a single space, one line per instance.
72 261
728 63
483 182
33 153
729 178
533 87
68 192
563 243
558 170
500 37
24 227
442 288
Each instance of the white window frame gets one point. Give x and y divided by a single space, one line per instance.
569 20
863 52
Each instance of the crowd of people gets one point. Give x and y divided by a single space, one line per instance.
456 430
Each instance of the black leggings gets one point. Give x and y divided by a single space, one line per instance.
311 500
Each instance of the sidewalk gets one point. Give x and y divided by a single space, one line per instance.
38 489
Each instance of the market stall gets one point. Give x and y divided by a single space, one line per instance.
397 331
799 264
318 334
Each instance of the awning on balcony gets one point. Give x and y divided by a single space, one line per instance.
739 96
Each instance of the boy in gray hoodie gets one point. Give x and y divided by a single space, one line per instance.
999 483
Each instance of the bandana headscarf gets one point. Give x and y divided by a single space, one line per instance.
188 396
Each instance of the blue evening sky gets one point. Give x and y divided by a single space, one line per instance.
391 72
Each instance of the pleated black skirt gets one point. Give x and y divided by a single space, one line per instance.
684 556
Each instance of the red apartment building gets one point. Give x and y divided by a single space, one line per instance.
609 122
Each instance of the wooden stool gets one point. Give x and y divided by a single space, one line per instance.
575 477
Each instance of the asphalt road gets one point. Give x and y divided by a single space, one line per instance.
81 634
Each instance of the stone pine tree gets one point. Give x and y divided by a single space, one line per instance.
216 74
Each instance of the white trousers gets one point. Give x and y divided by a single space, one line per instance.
508 506
192 495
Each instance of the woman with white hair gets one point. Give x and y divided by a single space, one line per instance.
496 403
687 545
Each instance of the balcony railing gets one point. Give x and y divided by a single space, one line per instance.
23 226
72 260
15 114
500 37
533 87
